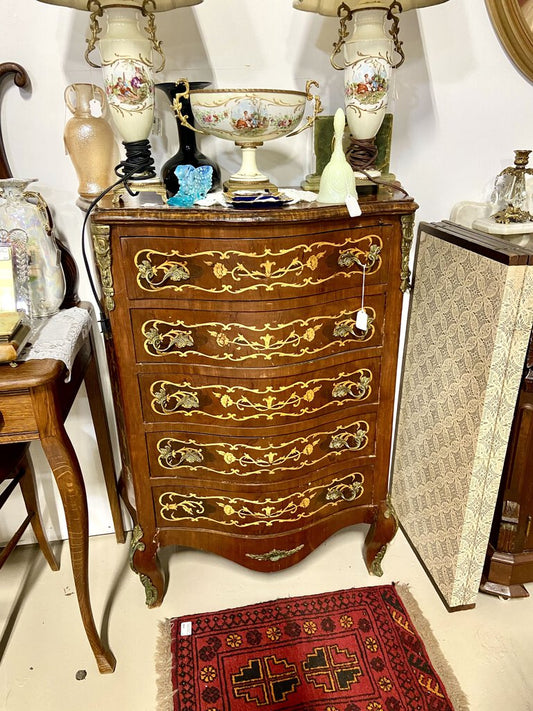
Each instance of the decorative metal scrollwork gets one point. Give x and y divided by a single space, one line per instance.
171 458
349 257
160 343
408 222
176 400
275 554
102 253
357 390
346 492
347 327
158 276
137 545
352 441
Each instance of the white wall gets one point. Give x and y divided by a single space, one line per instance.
461 109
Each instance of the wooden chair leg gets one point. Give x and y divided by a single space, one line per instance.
29 493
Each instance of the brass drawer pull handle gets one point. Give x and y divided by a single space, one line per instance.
157 276
346 492
357 391
349 257
348 440
346 328
170 458
177 400
158 343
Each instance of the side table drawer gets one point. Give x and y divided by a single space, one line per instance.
16 415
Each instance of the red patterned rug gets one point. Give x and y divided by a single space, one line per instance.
353 650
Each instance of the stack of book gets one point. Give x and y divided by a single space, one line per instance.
14 334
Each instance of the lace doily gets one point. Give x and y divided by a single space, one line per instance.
60 338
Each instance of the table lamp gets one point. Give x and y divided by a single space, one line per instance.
126 54
368 64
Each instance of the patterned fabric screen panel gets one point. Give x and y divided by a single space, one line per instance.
470 321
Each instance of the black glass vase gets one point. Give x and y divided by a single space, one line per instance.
188 153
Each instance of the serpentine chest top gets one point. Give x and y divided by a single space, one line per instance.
254 413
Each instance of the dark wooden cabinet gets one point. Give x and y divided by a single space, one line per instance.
510 558
255 416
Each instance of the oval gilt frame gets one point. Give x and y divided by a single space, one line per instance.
514 32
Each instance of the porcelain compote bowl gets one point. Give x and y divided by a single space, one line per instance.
248 117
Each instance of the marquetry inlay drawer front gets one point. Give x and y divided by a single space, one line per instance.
267 401
270 337
191 506
287 267
264 459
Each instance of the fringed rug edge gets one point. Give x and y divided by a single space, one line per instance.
438 660
163 667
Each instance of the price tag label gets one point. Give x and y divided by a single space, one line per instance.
95 108
354 209
361 320
186 629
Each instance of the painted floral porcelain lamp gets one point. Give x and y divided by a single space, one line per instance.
126 55
371 52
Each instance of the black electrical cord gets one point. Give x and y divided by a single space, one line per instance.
138 162
138 157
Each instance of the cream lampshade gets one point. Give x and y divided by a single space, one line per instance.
330 7
126 54
368 63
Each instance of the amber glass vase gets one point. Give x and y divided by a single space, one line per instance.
90 141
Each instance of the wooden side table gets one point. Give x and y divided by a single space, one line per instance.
34 403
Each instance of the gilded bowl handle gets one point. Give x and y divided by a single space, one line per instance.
318 108
177 106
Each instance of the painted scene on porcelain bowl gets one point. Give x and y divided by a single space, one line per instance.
247 116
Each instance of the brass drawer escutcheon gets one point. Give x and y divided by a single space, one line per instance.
244 513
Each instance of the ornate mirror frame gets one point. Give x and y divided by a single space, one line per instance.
514 32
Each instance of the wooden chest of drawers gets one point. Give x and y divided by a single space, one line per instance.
255 418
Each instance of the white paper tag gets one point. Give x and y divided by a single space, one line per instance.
186 629
157 126
361 320
354 209
95 108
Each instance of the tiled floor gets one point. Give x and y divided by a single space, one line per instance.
42 644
